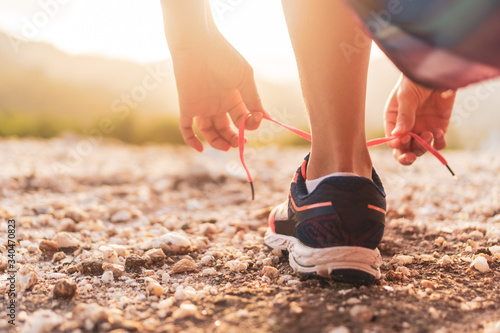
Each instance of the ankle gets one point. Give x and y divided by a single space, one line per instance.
321 165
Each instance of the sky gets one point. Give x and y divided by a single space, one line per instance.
133 29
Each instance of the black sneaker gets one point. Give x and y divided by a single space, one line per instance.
333 231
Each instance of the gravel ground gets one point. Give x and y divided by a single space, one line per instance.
162 239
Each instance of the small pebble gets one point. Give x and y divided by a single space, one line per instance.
445 261
481 264
440 240
121 216
42 321
295 308
361 313
109 254
207 260
171 242
116 269
157 256
428 284
476 235
237 266
26 278
108 277
209 271
65 240
185 310
183 266
120 250
404 259
154 289
340 329
494 249
353 301
267 262
4 263
271 272
134 262
58 256
65 289
92 267
76 214
48 246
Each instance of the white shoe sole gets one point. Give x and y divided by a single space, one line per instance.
323 261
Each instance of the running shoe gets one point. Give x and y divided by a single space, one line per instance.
333 231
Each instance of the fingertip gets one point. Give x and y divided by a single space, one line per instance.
407 158
439 140
235 142
254 121
198 146
427 136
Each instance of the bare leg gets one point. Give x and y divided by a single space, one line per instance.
334 87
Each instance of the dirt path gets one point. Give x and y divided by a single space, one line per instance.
161 239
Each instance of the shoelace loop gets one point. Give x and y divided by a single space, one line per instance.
307 136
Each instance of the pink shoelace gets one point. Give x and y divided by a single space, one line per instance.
307 136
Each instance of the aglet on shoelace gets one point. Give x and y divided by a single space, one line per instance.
307 136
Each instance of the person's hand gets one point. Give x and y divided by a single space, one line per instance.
425 112
215 85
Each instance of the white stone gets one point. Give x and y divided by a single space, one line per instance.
494 249
207 260
209 271
481 264
340 329
26 278
446 261
353 301
185 310
172 242
109 254
154 289
107 277
179 294
64 239
121 250
404 259
492 328
166 303
237 266
476 234
361 313
42 321
121 216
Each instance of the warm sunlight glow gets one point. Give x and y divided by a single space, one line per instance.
133 29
